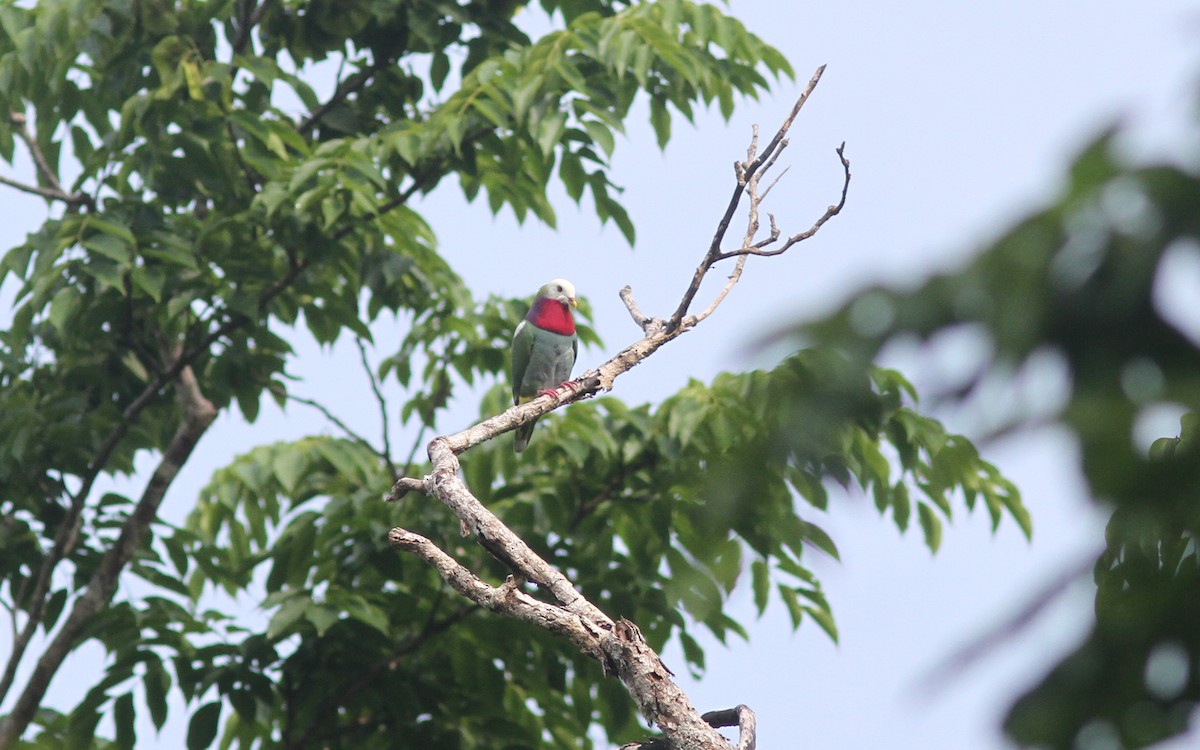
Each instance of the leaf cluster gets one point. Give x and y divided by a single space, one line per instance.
656 513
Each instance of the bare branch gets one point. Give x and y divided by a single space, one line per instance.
739 716
618 646
641 321
403 486
745 171
39 159
757 249
47 193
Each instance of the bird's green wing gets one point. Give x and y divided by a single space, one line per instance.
522 348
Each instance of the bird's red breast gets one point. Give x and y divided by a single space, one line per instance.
551 315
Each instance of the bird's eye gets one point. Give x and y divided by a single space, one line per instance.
558 288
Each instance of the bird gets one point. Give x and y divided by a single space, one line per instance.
543 349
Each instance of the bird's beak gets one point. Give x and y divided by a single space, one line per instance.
571 301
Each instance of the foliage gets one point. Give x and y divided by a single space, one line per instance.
653 512
219 199
1081 285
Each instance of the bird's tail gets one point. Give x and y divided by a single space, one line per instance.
521 436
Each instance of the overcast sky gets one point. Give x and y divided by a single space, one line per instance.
957 117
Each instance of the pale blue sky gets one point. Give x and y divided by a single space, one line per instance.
957 117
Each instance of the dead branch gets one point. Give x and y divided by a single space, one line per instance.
744 171
757 248
739 716
617 645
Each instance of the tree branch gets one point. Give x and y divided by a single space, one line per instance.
55 190
68 533
198 415
355 83
383 410
739 716
325 412
249 15
757 248
744 171
617 645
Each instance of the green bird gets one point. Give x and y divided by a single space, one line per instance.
543 351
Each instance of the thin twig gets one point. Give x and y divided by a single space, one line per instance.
48 193
325 412
247 20
832 211
251 177
383 408
645 322
351 85
55 190
750 183
39 159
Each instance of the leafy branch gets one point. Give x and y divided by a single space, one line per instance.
198 415
618 645
55 190
100 590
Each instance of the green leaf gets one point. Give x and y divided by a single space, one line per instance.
825 619
292 611
693 654
290 464
816 536
123 718
760 577
439 68
150 281
202 729
110 246
660 120
156 683
601 135
931 525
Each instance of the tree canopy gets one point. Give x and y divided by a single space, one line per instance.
221 175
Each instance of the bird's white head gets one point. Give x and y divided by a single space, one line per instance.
559 290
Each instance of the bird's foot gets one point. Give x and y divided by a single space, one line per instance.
553 392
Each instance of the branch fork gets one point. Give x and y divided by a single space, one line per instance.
618 645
